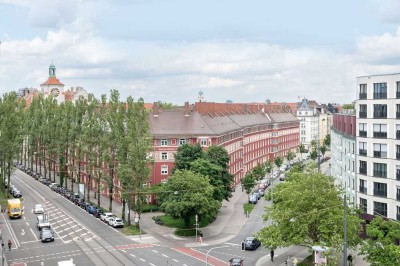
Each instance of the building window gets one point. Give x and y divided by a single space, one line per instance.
363 167
182 141
397 111
380 208
380 150
203 142
380 189
380 130
380 111
397 131
397 172
363 186
164 156
398 89
380 90
380 169
398 213
363 91
363 111
362 146
164 142
398 193
362 129
398 152
363 205
164 169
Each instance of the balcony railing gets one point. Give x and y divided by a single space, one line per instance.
398 196
363 95
398 155
397 134
380 114
398 175
362 152
362 114
380 212
380 173
380 193
397 115
363 190
363 170
362 133
397 94
380 154
381 95
382 135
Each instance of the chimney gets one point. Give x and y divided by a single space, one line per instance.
186 109
155 109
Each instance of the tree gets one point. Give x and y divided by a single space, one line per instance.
186 194
348 106
323 150
314 196
278 161
258 172
185 155
290 156
302 149
268 166
219 156
314 154
314 144
327 140
380 248
165 105
248 183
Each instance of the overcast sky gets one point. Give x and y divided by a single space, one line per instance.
169 50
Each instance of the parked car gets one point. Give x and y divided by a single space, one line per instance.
17 193
91 209
51 185
275 174
253 199
105 216
47 235
38 209
236 262
251 243
261 192
283 168
98 213
257 194
282 177
115 222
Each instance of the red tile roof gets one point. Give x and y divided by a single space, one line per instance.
53 81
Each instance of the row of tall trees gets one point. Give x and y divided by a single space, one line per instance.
103 138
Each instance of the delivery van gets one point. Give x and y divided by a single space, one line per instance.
14 208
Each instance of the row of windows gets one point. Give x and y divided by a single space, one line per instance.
379 169
379 92
180 142
379 130
380 208
380 111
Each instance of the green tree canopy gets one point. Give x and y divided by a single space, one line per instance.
248 182
258 172
185 155
186 194
327 140
278 161
380 248
308 210
290 156
323 149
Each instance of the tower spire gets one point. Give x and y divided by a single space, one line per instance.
52 70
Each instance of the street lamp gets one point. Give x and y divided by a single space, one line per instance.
212 249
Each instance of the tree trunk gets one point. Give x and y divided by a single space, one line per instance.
123 210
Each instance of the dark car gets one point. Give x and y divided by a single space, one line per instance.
47 235
236 262
97 213
251 243
17 194
91 209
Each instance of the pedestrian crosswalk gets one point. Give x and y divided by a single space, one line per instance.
65 227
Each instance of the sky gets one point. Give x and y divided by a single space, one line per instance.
169 50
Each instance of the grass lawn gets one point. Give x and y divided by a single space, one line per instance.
309 261
180 225
248 207
131 230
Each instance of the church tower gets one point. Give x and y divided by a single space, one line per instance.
201 96
53 86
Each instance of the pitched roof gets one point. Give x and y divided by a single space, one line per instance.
53 81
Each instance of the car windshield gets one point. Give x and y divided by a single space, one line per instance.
15 209
38 206
118 220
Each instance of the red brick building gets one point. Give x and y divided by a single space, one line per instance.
251 133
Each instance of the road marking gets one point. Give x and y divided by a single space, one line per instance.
155 251
175 260
34 234
232 244
27 223
133 255
142 259
152 264
22 232
164 255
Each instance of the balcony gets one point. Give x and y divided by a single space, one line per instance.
380 193
398 196
398 175
381 135
363 170
380 173
397 134
362 95
362 152
363 190
380 212
398 155
380 95
397 94
397 115
362 133
380 114
380 154
362 114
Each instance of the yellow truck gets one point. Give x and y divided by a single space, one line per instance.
14 208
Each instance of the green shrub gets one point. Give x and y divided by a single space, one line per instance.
150 208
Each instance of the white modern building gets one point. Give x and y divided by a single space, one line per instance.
378 145
343 156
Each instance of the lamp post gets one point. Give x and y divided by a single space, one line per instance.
212 249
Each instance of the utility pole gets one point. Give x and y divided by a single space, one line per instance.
196 225
345 233
318 148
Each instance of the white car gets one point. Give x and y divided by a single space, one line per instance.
115 222
105 216
38 208
284 168
275 174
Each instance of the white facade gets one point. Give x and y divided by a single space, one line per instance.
378 144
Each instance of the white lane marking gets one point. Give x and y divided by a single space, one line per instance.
42 263
34 234
142 259
184 265
164 255
132 255
27 223
155 251
232 244
123 250
22 232
175 260
152 264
